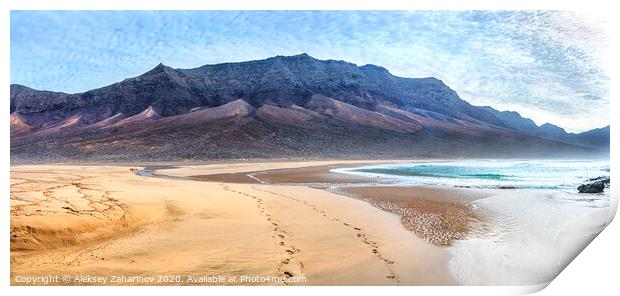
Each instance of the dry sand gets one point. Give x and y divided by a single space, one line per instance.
105 220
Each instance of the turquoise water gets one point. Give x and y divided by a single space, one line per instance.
552 174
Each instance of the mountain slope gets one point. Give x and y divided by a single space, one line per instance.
596 138
277 107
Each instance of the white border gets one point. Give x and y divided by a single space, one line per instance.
593 272
594 6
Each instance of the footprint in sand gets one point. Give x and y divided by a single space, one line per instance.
290 250
375 250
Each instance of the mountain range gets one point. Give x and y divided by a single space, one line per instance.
284 106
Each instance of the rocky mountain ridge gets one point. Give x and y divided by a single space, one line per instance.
295 106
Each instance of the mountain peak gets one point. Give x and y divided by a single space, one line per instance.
302 56
16 86
158 69
549 126
375 68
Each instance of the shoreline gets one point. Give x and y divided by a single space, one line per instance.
363 232
296 230
480 221
437 214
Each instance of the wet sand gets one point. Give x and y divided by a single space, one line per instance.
439 215
305 175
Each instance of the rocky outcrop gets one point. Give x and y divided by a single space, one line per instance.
595 187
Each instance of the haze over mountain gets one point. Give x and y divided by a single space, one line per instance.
285 106
596 138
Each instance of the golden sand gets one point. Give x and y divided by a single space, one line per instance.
105 220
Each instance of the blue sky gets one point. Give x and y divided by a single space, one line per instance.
549 66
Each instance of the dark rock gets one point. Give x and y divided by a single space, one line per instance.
507 187
595 187
604 179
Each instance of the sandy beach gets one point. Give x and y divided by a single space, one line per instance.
283 223
106 221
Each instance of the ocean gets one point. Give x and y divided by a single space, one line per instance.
540 174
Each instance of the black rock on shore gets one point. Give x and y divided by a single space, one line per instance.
597 186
